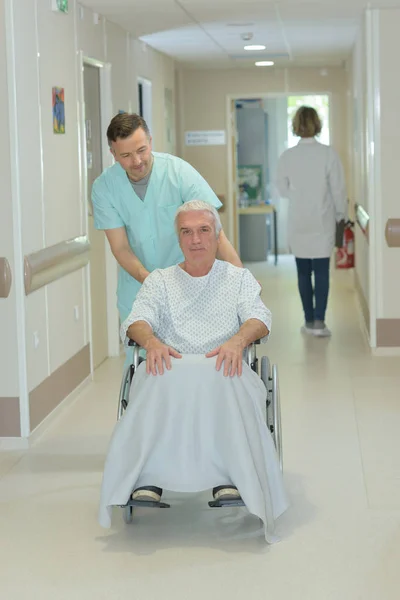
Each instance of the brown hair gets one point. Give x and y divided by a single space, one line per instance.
306 122
123 125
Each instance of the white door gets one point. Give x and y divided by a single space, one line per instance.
91 78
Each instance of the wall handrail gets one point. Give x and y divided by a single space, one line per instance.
54 262
5 277
392 233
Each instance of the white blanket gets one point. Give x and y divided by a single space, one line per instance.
193 429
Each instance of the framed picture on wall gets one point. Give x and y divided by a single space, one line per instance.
250 180
58 110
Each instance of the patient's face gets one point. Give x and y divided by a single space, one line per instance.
197 237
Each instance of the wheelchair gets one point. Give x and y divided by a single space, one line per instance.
269 376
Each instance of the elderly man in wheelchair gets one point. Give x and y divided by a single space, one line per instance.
196 413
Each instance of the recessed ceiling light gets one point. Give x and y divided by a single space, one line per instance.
255 47
264 63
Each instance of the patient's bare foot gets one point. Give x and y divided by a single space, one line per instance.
148 493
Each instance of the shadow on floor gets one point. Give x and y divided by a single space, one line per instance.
190 523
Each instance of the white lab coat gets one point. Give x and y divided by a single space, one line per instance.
311 176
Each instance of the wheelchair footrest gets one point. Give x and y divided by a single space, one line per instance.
225 503
147 504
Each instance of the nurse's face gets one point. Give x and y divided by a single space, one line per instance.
134 154
197 237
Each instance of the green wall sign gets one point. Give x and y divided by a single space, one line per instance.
60 5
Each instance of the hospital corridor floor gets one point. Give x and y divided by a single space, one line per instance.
340 539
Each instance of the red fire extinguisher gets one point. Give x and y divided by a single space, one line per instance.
345 254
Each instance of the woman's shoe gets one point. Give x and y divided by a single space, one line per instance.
308 328
321 330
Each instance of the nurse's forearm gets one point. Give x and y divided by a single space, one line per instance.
227 252
122 251
131 264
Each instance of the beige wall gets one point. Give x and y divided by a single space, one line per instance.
374 102
160 70
47 54
8 320
202 105
357 139
388 259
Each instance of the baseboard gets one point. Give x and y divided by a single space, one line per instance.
386 351
58 411
8 444
362 305
361 319
18 443
388 333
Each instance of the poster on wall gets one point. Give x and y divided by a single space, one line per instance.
58 110
60 6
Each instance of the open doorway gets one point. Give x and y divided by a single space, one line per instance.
144 101
94 168
101 315
263 131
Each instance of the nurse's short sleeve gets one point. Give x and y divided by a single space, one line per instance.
195 187
149 304
105 214
250 305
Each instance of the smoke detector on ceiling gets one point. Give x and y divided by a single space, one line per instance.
246 36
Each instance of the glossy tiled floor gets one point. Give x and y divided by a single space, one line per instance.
340 539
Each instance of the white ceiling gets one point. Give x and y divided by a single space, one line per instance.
207 33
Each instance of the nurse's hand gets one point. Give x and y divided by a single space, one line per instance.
157 354
231 355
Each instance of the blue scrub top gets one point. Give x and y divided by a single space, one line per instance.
149 223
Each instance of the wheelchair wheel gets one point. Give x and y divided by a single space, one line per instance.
265 371
125 387
124 391
274 424
266 379
276 403
128 514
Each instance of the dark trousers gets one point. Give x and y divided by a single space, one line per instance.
305 267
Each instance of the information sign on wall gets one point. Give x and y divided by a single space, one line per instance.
205 138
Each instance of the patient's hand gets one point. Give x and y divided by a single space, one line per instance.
231 354
157 354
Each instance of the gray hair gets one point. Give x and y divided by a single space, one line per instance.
199 205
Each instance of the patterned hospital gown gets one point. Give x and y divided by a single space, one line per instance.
194 315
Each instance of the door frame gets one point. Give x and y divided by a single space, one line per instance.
376 241
233 220
106 114
147 102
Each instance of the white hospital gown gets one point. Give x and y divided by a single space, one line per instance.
193 429
194 315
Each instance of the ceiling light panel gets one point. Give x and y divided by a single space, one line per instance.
254 47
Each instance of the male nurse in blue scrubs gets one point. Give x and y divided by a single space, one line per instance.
135 202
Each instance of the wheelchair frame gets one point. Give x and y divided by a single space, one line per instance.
269 377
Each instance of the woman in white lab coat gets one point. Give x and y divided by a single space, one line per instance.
311 176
